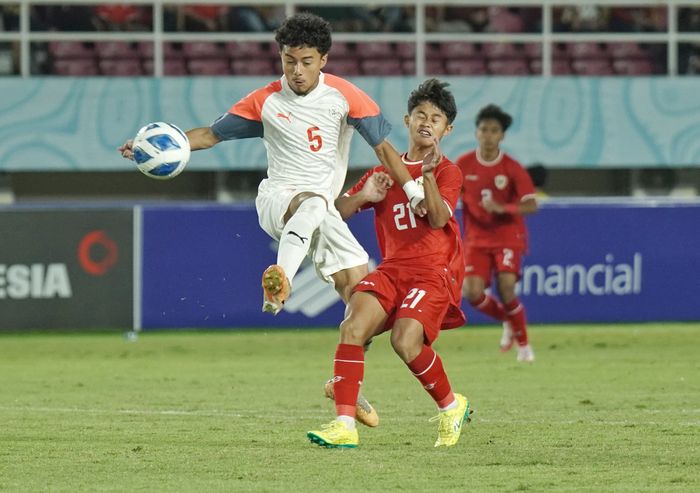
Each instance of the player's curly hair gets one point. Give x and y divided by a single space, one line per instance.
434 91
494 112
305 29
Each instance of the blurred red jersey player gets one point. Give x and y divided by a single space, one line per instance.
496 193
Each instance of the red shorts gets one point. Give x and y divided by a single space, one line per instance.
483 262
421 294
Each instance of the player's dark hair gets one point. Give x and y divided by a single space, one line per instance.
305 29
434 91
493 112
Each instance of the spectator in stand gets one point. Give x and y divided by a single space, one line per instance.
125 17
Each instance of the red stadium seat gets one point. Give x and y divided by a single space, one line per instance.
342 50
203 49
500 50
560 66
375 50
171 67
626 50
432 67
475 66
406 50
70 49
343 66
533 50
145 49
253 67
457 50
115 49
633 67
215 66
586 50
516 66
125 67
75 67
390 66
600 66
252 49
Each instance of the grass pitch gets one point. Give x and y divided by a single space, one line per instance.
604 408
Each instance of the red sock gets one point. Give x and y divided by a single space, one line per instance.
348 371
488 305
515 311
427 368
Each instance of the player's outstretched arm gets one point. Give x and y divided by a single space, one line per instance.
200 138
391 160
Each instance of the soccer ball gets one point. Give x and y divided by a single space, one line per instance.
161 150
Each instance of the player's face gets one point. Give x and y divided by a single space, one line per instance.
426 122
489 134
302 66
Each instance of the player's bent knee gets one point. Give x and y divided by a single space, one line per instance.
352 332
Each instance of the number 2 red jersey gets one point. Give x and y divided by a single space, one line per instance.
503 180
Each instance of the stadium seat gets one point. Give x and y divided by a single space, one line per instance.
560 66
626 50
145 49
75 67
516 66
457 50
343 66
375 50
389 66
70 49
500 50
171 67
342 50
253 67
600 66
586 50
115 49
213 66
475 66
406 50
252 49
533 50
638 66
203 50
125 67
432 67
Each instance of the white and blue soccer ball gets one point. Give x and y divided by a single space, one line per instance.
161 150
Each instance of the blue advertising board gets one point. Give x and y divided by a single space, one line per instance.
612 262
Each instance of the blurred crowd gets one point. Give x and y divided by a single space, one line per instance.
580 17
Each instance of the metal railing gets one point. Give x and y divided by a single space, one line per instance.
671 37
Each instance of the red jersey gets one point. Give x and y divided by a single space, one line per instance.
505 181
406 238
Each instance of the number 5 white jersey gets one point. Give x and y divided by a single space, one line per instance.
307 137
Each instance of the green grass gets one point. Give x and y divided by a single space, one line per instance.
604 408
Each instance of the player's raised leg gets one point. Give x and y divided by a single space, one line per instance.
306 212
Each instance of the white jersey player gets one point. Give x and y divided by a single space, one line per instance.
306 120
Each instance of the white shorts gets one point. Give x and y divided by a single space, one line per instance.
333 247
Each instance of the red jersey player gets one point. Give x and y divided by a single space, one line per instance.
415 291
497 192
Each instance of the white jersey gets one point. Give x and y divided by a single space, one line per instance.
307 137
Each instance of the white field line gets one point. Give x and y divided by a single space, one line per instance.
214 413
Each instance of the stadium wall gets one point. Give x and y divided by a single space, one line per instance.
181 266
75 124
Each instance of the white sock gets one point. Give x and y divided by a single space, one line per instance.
348 420
296 235
451 405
